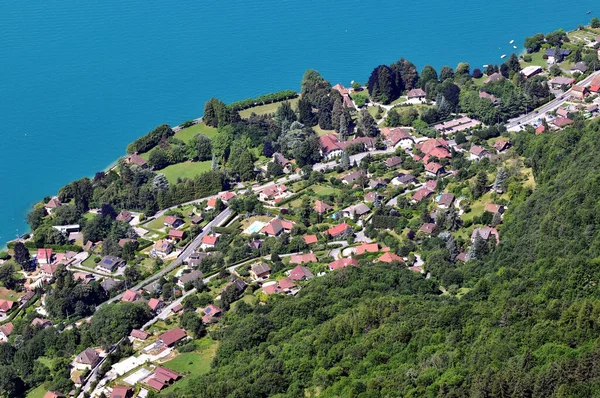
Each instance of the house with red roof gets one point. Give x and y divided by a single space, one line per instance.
282 286
173 222
161 378
277 226
390 258
44 256
5 331
321 207
211 313
432 143
303 258
344 92
485 233
434 169
478 152
330 146
427 228
445 200
121 392
131 296
439 152
420 194
163 247
300 272
172 336
494 208
54 394
211 203
399 137
260 271
310 239
501 145
176 234
562 122
124 216
226 196
40 322
540 129
367 248
87 359
579 92
340 230
139 334
343 263
47 271
155 304
209 241
136 159
273 193
393 161
52 204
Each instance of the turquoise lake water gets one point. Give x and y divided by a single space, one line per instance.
79 80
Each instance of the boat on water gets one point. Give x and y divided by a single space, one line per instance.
503 56
589 12
512 41
514 46
485 66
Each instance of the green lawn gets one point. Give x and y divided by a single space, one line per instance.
399 100
192 364
38 392
185 170
321 132
10 295
264 109
89 262
185 134
324 190
157 223
536 59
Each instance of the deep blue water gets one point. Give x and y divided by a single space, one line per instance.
81 79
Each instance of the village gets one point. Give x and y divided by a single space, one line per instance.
386 198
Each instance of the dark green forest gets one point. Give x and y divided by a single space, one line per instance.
528 325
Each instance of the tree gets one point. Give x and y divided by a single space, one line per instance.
595 23
159 158
366 124
534 43
478 249
381 85
343 128
192 322
500 182
480 186
305 113
393 118
513 63
460 138
345 160
22 257
555 70
202 147
35 218
274 169
477 73
427 74
446 73
463 69
308 152
285 112
160 182
592 61
556 38
7 276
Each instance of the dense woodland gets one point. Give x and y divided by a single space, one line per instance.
527 326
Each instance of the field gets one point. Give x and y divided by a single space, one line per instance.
264 109
185 170
321 132
186 134
10 295
38 392
536 59
192 363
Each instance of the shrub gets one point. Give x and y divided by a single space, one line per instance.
527 58
97 259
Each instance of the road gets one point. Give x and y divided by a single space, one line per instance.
216 222
550 106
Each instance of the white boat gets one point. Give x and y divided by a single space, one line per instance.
503 56
511 42
485 66
514 46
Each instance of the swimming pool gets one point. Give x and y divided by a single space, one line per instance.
255 227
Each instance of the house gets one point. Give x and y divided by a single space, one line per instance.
420 194
431 185
580 67
110 263
321 207
139 334
359 210
260 271
485 233
371 197
530 71
173 222
595 84
47 271
390 258
211 313
197 220
136 159
285 164
227 196
211 203
343 263
432 143
484 95
416 93
346 100
54 394
579 92
330 146
121 392
299 273
564 111
303 258
26 297
561 122
176 234
352 177
540 129
501 145
310 239
284 285
493 208
87 359
209 241
377 183
172 336
273 192
399 137
427 228
163 247
367 248
73 236
239 285
109 284
155 304
124 216
404 179
454 126
256 244
393 161
44 256
445 200
554 52
84 277
478 152
177 308
439 152
494 77
52 204
66 229
340 230
161 378
559 81
190 277
462 257
5 331
126 240
131 296
276 227
434 169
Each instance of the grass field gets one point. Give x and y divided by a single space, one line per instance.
321 132
536 59
185 134
185 170
268 108
89 262
38 392
10 295
192 363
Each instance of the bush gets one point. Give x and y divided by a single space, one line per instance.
4 256
97 259
188 347
527 58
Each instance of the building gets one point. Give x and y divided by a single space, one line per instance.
494 208
345 93
340 230
299 273
52 204
427 228
352 177
321 207
260 271
393 161
390 258
484 95
176 234
87 359
416 93
530 71
47 271
136 159
371 197
559 81
343 263
172 336
211 313
227 196
404 179
131 296
274 193
283 286
303 258
163 247
579 92
561 122
209 241
330 146
494 77
110 264
121 392
155 304
285 164
421 193
367 248
595 83
502 145
276 227
359 209
124 216
485 233
44 256
310 239
54 394
190 277
173 222
439 153
161 378
139 334
445 200
5 331
478 152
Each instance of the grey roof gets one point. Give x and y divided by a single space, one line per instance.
110 283
260 268
111 262
406 178
88 357
191 276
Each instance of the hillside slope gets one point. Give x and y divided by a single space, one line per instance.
527 328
